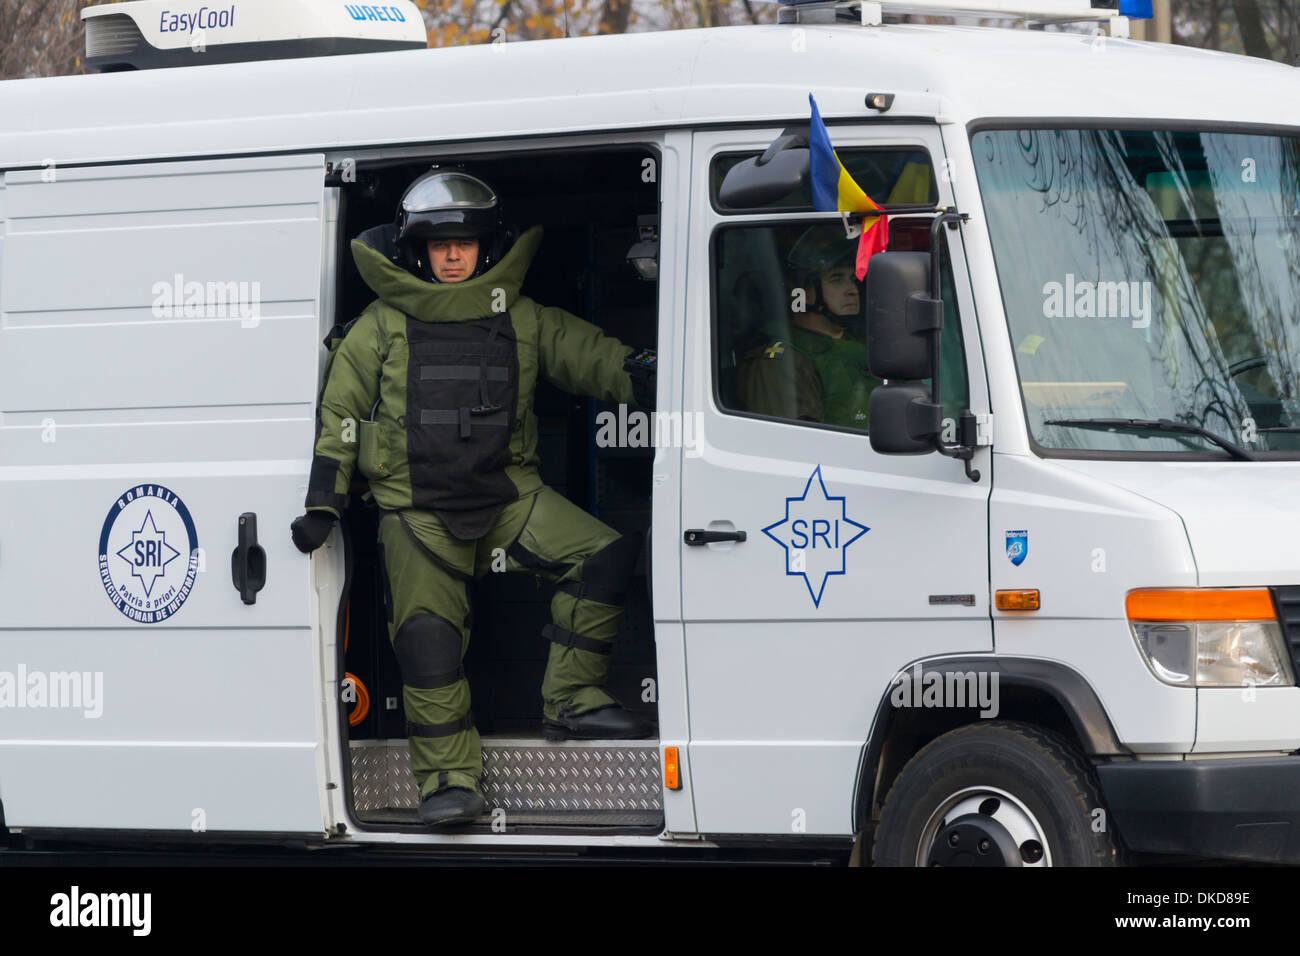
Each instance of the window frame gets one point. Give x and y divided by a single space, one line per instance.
794 219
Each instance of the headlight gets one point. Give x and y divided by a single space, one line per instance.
1226 637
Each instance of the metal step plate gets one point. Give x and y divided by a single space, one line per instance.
608 782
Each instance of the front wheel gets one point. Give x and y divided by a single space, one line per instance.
996 794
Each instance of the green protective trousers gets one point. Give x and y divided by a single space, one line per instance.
428 572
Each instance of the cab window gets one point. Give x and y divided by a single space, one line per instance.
789 323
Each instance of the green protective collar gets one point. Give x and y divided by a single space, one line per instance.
450 302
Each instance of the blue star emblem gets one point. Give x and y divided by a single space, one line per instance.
817 532
148 553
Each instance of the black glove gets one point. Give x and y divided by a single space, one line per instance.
641 366
311 530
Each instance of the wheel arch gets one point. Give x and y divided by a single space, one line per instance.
1041 692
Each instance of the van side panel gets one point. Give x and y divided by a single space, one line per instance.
158 363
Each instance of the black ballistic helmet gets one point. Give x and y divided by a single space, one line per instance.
450 204
819 249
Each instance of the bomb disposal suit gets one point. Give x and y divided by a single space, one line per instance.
449 368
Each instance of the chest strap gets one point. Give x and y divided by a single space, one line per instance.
488 411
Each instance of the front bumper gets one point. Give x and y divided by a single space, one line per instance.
1245 808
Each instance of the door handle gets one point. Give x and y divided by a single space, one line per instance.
248 560
698 536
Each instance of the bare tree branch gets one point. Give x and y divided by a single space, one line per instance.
1252 28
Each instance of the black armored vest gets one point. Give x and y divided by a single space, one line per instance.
462 390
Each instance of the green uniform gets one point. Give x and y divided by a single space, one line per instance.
451 457
809 376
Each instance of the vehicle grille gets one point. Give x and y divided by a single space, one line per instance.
1287 602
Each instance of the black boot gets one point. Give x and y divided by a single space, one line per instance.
451 806
611 722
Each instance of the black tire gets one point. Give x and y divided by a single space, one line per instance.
1053 790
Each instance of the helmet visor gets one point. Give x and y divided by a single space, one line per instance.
448 190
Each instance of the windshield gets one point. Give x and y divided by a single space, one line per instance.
1149 275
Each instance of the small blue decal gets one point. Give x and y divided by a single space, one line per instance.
1017 547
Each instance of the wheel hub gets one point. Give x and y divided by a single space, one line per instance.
974 840
982 826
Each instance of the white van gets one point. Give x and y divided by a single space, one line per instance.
1049 615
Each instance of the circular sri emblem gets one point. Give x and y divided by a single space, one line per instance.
148 553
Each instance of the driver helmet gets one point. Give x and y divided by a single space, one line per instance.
819 249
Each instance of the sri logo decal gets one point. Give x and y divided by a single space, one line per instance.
1017 547
148 554
815 533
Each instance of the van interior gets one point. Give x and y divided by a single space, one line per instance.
588 203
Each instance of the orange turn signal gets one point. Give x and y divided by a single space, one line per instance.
1025 599
1200 604
672 780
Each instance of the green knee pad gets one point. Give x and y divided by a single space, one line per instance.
445 746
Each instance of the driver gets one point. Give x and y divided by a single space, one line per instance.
819 372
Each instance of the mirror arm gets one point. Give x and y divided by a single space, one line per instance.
791 138
965 450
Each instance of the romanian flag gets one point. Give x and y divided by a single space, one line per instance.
834 190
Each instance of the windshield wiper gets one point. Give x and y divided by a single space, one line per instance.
1287 429
1156 425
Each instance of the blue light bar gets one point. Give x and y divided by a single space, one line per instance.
1137 9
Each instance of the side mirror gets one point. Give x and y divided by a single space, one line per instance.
902 317
749 186
901 419
783 168
903 328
